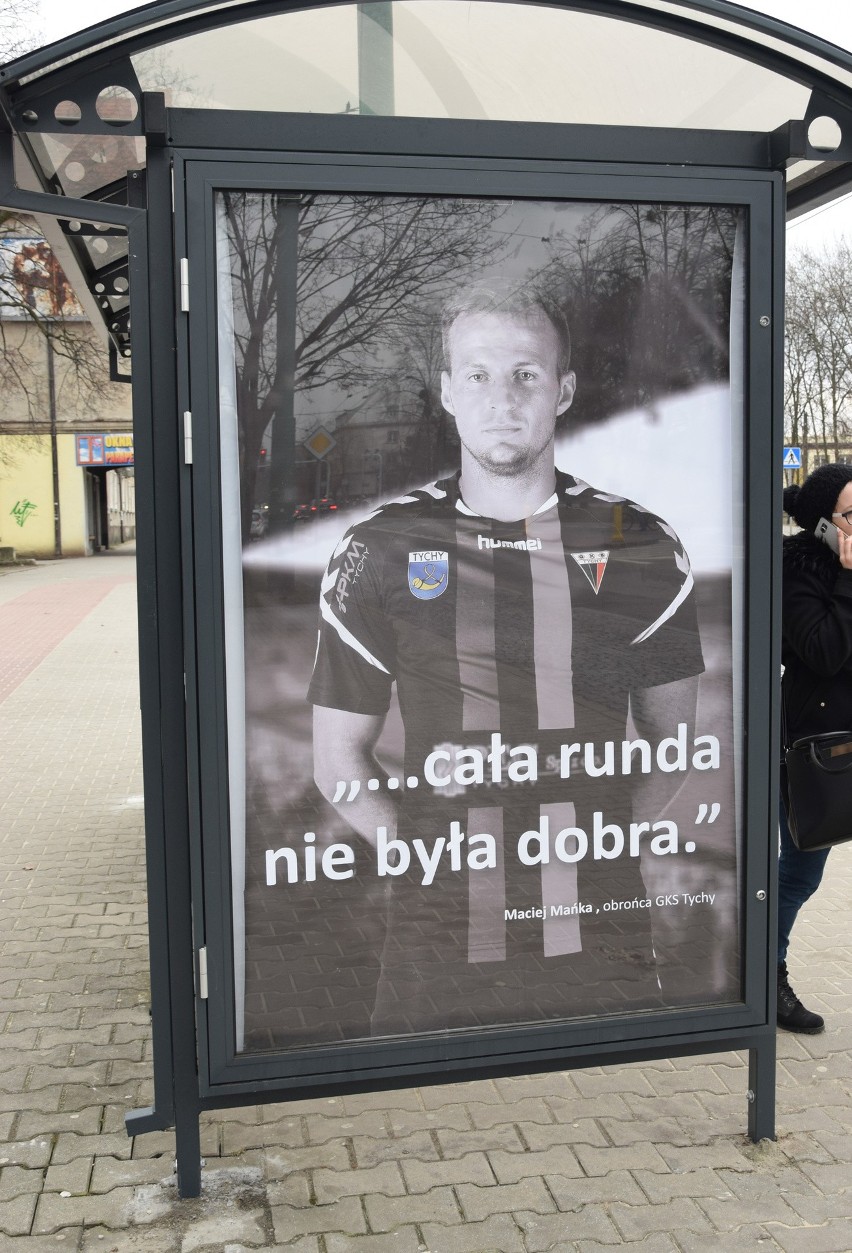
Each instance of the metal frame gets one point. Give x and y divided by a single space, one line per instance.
173 19
225 1079
173 507
81 66
170 572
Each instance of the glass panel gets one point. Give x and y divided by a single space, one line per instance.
829 64
299 62
485 796
85 163
481 60
103 250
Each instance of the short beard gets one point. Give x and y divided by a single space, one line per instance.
517 467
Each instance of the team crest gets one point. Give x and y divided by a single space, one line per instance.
593 566
428 573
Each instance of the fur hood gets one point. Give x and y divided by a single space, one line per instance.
805 554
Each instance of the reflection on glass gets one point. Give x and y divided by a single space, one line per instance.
566 828
438 58
84 164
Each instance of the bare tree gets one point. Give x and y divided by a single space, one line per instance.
324 292
19 27
647 292
44 332
818 362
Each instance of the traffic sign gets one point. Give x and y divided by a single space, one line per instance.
792 458
320 443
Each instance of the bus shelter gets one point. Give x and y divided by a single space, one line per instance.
456 341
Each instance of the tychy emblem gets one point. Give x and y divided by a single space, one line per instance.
593 566
428 573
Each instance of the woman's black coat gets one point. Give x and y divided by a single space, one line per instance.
816 649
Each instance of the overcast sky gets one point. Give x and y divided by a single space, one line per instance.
831 19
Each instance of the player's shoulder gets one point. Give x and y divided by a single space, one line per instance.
393 517
601 502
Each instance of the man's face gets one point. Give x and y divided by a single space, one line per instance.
503 388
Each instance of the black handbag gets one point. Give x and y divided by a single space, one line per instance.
816 786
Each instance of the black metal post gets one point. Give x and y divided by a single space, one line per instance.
761 1089
54 451
282 471
375 59
158 463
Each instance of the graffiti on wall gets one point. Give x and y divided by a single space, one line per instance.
22 511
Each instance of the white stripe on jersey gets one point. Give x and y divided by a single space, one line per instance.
548 504
578 488
342 546
348 637
667 613
431 489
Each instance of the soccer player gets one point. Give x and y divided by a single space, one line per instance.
513 624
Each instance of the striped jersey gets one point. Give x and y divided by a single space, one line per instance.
536 632
527 628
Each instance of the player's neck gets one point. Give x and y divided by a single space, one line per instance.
505 498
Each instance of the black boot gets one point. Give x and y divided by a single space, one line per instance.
792 1015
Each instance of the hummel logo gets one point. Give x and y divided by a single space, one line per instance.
525 545
593 566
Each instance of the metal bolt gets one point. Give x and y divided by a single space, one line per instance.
29 115
750 1096
761 895
764 319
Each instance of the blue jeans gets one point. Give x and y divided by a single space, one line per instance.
799 876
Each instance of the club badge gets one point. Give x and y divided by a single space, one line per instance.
428 573
593 566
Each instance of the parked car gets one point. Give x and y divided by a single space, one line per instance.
259 522
317 507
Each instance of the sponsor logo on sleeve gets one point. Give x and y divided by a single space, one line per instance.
428 573
351 566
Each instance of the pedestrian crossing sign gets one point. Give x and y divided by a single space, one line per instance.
792 458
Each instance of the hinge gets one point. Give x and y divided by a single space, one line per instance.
202 973
187 437
184 285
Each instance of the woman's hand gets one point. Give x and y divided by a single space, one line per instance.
844 543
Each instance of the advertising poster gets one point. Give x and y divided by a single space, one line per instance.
481 491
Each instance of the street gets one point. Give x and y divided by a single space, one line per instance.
652 1157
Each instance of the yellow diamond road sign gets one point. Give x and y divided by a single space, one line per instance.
320 443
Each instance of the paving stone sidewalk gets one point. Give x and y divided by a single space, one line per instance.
652 1157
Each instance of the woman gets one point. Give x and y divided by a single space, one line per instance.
816 623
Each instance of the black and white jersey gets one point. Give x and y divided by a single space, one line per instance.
536 632
529 627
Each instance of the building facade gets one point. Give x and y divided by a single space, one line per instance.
66 442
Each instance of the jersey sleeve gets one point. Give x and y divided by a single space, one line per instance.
667 645
353 669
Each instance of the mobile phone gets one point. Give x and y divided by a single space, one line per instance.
827 532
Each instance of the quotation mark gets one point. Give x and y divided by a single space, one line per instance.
703 811
372 784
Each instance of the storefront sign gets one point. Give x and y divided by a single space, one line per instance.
105 450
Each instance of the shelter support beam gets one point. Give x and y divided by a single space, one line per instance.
761 1089
161 662
14 197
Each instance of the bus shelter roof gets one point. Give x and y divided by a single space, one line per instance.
80 108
